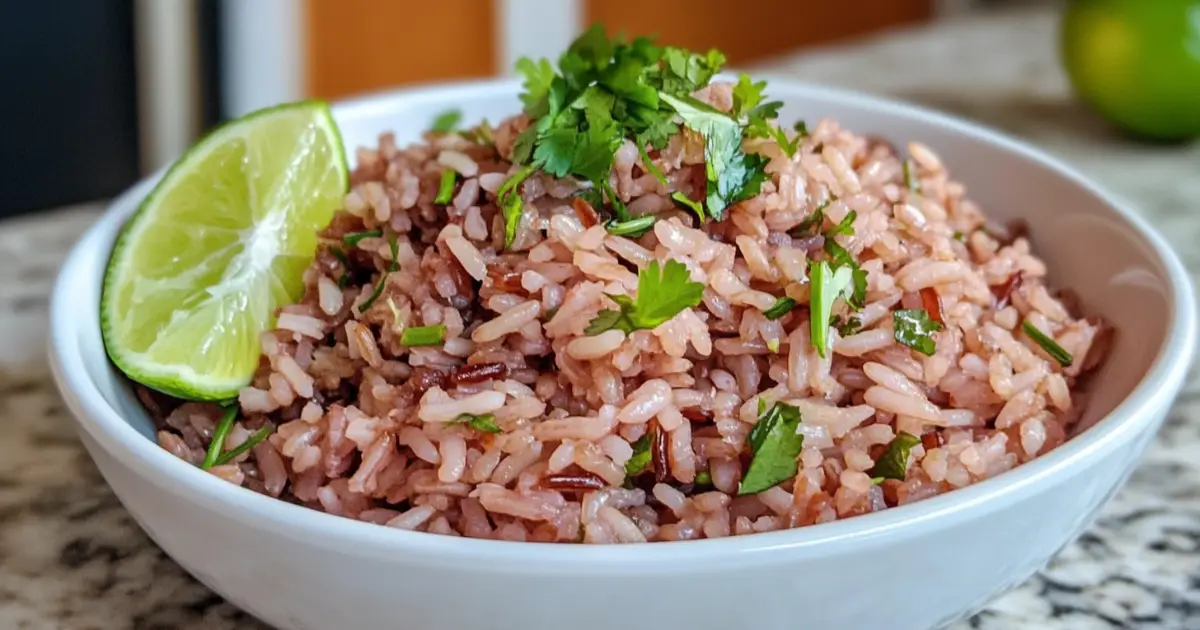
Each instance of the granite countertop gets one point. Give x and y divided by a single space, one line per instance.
72 558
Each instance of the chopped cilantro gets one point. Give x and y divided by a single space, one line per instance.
913 327
846 226
649 164
393 266
960 237
910 178
661 294
840 258
353 238
485 423
446 187
482 134
509 198
1048 344
686 201
813 223
703 478
414 336
250 443
224 426
893 464
801 128
847 327
775 445
635 227
641 455
828 284
446 121
782 306
732 174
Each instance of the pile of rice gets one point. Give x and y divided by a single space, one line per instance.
363 427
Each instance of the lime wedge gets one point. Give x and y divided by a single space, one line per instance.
217 246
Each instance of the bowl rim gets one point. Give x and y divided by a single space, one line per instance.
1134 414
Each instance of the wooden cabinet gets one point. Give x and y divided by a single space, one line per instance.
355 46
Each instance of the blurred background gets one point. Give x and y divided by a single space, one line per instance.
129 84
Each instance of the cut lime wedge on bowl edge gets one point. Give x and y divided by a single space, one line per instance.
221 241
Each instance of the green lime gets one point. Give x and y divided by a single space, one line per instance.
217 246
1137 62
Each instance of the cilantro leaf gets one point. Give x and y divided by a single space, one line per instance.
538 77
801 128
893 464
1048 344
640 460
913 327
840 258
649 164
661 294
747 94
732 174
847 327
760 128
485 423
684 72
446 121
828 285
783 306
775 446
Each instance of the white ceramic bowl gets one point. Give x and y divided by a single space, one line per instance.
909 568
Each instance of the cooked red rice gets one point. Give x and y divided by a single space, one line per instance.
363 425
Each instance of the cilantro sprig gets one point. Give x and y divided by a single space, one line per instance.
661 294
485 423
605 91
775 446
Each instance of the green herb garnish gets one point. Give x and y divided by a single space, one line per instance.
353 238
703 478
801 128
782 306
775 446
913 327
846 226
687 202
446 121
414 336
910 178
847 327
485 423
662 293
773 345
828 285
732 174
340 255
509 198
960 237
641 455
250 443
747 104
635 227
893 464
651 167
1048 344
841 258
224 425
813 223
393 266
446 187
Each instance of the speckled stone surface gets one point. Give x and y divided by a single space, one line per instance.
71 558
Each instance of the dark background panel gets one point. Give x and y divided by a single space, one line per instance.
68 105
